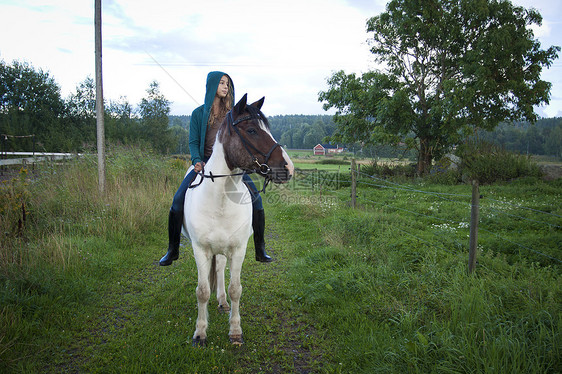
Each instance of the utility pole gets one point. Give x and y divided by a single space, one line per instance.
99 101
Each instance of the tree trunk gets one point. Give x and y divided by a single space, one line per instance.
425 157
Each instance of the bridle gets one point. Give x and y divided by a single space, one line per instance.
262 169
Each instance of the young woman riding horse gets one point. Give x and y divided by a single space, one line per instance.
218 212
205 122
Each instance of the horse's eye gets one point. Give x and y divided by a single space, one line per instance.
251 131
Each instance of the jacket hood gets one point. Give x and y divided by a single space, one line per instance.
213 80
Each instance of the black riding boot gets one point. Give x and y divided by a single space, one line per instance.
258 224
175 221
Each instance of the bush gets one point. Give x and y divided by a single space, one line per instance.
376 168
490 163
332 161
179 163
447 177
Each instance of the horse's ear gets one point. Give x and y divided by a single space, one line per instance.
258 104
241 105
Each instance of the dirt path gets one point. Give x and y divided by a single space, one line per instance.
278 336
287 325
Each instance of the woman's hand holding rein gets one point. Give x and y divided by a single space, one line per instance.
198 166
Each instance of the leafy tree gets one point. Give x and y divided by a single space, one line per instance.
182 121
31 103
553 144
541 138
181 137
82 111
120 122
82 103
154 110
317 133
286 139
298 137
449 67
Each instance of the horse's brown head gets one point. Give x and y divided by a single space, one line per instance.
249 145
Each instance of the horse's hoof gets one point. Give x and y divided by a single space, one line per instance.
224 308
198 342
236 340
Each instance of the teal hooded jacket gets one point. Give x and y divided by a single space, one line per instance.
200 116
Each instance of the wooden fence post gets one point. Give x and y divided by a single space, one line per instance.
34 160
474 212
353 183
3 152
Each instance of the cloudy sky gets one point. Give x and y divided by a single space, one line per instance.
283 50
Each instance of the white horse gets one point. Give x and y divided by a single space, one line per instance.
218 212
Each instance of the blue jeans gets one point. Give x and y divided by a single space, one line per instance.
179 197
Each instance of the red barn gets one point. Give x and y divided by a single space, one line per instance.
323 149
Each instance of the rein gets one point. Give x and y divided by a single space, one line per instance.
212 177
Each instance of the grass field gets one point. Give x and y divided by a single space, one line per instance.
305 160
380 289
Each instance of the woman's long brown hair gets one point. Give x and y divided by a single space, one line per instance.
225 104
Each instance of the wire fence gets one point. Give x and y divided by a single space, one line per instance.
500 219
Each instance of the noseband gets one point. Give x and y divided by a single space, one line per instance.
263 169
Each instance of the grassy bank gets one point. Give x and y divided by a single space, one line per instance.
377 289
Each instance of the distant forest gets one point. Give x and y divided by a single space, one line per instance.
34 116
542 138
305 131
293 131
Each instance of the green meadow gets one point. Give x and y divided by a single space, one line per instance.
382 288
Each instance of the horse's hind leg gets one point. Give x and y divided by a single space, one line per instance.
235 291
221 289
203 293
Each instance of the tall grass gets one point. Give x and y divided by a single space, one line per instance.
62 249
403 304
63 206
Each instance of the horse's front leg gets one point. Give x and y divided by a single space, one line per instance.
235 291
203 291
221 288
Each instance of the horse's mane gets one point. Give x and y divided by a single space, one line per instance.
255 112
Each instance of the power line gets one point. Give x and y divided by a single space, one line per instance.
171 77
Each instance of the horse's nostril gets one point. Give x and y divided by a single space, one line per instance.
289 169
